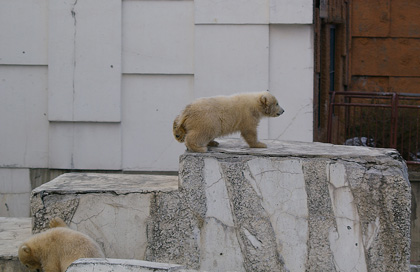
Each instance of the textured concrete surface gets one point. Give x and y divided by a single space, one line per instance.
113 209
291 207
13 231
121 265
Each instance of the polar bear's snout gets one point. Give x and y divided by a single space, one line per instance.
277 110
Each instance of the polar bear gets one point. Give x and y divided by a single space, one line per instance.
208 118
55 249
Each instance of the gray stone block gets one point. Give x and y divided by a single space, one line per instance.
291 207
113 209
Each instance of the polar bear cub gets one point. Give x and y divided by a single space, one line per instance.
55 249
208 118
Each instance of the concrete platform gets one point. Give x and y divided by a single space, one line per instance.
13 231
121 265
291 207
113 209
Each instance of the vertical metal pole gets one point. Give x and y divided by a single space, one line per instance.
394 120
330 113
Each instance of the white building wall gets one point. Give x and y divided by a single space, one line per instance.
96 84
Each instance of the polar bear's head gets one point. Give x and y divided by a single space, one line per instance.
179 130
28 259
270 105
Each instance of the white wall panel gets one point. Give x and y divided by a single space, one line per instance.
15 205
158 37
291 12
14 180
85 145
15 190
84 60
231 59
23 32
210 47
291 81
23 116
150 104
231 11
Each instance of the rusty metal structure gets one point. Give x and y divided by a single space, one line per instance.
366 46
367 81
376 119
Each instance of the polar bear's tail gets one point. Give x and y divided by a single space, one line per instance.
178 128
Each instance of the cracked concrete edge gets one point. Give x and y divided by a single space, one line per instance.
89 183
45 208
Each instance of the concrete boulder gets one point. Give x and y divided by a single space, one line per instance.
291 207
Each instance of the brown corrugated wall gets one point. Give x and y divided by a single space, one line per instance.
377 48
385 39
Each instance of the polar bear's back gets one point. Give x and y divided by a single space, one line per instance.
222 114
69 242
61 246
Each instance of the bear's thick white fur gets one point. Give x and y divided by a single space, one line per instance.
208 118
55 249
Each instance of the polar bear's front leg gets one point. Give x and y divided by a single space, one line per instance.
250 136
195 141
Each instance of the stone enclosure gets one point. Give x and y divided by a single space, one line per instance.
291 207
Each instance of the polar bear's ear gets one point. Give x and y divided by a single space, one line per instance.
264 100
26 249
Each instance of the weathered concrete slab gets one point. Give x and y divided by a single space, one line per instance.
121 265
118 184
113 209
291 207
13 231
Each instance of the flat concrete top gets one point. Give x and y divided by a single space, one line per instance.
115 183
276 148
131 262
13 231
